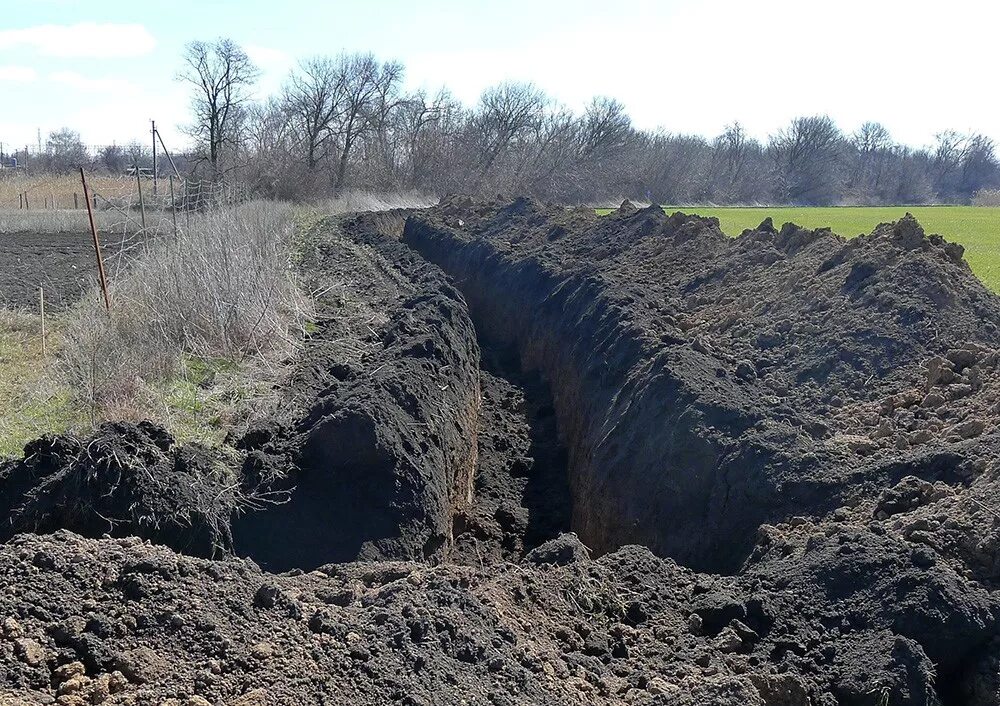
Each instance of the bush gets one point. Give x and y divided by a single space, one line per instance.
986 197
223 290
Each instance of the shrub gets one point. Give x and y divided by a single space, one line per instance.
224 289
986 197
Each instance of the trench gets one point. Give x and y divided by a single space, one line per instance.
642 464
522 495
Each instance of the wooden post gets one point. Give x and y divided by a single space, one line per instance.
142 204
97 242
187 208
154 160
41 308
167 153
173 204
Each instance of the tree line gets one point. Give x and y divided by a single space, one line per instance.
346 121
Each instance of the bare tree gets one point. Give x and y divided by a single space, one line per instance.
315 96
367 83
431 130
980 168
221 75
112 158
606 129
734 154
64 151
345 121
807 158
506 113
874 152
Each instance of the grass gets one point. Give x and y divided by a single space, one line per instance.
202 401
33 398
975 227
206 399
57 205
56 191
201 329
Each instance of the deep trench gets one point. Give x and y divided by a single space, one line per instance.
538 481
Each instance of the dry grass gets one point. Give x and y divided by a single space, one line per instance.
56 203
55 191
18 221
358 201
201 328
217 304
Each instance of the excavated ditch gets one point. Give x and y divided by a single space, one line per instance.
778 454
695 396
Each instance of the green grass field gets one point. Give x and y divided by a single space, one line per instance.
975 227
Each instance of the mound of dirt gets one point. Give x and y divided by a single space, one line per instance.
376 445
694 375
125 481
818 625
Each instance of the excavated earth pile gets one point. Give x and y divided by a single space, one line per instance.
696 377
379 431
533 456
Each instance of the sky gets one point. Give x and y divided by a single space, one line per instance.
106 67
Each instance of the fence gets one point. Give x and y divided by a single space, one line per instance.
23 192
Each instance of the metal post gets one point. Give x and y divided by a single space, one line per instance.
41 307
97 242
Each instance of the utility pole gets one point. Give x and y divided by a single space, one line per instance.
154 159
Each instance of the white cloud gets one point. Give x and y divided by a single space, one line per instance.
93 85
84 40
18 74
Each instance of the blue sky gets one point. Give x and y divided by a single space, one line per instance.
105 68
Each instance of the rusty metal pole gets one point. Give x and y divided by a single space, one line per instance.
97 242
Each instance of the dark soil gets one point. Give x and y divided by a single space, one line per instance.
125 481
800 430
64 264
522 482
377 444
698 379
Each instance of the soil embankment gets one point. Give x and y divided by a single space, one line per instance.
375 447
702 383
